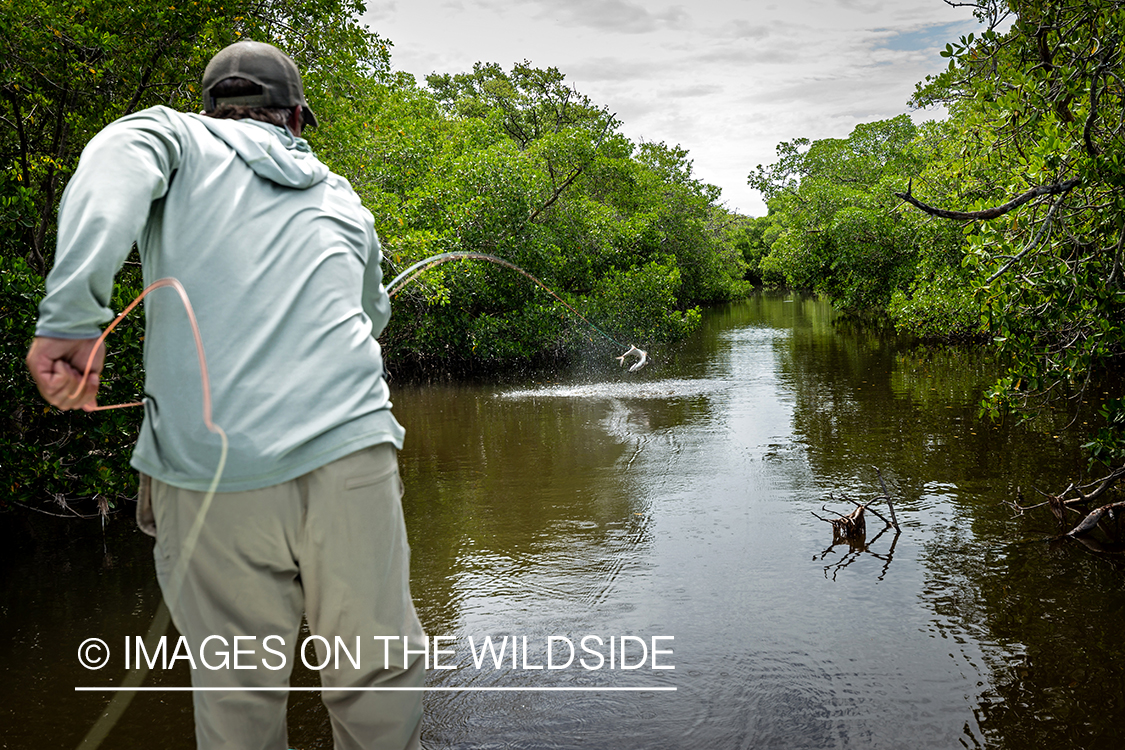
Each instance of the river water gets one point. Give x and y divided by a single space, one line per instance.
670 512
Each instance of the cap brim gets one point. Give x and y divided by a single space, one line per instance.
308 119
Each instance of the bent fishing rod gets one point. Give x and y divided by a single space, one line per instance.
416 270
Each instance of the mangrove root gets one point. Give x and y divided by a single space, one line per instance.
850 528
1077 499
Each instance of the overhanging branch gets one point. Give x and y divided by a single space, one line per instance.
990 213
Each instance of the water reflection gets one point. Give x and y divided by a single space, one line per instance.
1033 619
856 548
708 538
678 501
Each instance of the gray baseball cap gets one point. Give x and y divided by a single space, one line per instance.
266 66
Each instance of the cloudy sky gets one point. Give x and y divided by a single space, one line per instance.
726 79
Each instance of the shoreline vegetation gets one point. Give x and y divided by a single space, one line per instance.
518 163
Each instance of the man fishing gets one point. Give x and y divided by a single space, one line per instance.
282 265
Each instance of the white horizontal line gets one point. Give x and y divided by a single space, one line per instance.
366 689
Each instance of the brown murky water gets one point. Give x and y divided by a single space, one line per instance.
678 501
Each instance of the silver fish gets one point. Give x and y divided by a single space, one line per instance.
641 354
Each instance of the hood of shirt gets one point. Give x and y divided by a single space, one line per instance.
271 151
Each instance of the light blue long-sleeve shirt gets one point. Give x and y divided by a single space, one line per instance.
282 265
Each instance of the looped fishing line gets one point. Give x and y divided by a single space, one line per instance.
160 621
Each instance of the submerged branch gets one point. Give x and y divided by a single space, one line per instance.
852 527
1094 517
1077 498
887 497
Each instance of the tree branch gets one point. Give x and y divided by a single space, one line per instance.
1030 246
51 179
566 183
1093 519
990 213
1114 279
887 495
24 169
555 195
1087 130
144 81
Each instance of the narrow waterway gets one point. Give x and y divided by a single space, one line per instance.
672 510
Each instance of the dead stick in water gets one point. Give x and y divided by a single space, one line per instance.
1093 519
850 528
887 495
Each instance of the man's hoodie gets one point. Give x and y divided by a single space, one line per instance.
281 264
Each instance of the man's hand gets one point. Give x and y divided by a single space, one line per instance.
57 366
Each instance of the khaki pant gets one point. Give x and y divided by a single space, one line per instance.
331 543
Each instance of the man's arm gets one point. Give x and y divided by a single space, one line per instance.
103 210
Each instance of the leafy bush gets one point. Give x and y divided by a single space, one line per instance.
62 456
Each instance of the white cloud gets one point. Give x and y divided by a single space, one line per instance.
740 28
727 79
861 7
613 69
687 92
381 11
611 16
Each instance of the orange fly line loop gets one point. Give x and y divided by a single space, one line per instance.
159 625
204 379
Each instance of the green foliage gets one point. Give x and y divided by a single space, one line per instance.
533 103
682 219
839 229
1107 445
641 298
519 164
752 238
1038 105
50 454
937 304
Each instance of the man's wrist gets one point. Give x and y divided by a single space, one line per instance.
44 333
